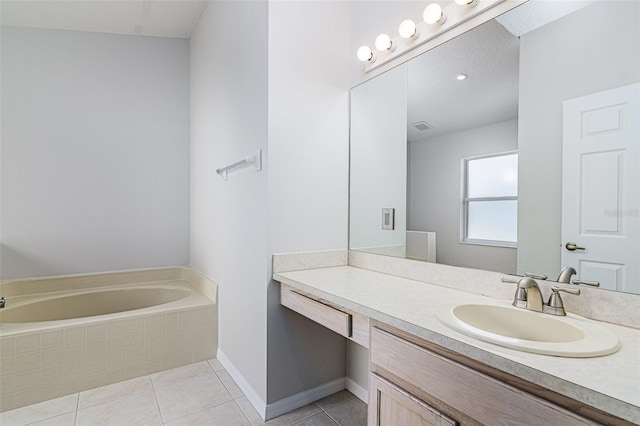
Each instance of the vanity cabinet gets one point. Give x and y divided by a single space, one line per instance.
414 381
413 385
394 406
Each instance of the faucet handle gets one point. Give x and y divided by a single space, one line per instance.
510 280
555 305
535 276
583 282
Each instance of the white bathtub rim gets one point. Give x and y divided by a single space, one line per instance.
37 297
194 300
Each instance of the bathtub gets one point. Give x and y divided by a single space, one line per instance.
63 335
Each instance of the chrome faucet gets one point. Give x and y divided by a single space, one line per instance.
528 296
566 274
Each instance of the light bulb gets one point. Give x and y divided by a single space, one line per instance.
365 54
462 76
433 14
384 43
470 3
408 29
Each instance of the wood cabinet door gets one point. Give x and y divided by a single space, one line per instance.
389 405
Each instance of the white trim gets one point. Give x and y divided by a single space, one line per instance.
303 398
247 389
359 391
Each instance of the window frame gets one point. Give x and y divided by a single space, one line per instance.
465 199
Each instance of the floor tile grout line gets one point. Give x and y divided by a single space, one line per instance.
75 414
194 412
155 398
51 417
120 395
243 413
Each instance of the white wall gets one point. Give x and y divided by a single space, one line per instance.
434 198
229 218
308 175
574 56
289 96
95 152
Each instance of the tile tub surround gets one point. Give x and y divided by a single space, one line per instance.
608 383
199 393
45 360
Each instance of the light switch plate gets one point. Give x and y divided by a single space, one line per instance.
388 218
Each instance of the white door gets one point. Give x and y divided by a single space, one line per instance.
600 187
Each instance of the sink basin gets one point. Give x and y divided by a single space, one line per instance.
528 331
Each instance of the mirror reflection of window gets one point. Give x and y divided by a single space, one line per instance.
490 200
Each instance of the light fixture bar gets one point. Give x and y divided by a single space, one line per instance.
456 15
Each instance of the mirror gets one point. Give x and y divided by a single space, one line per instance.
553 84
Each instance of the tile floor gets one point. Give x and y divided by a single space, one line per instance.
197 394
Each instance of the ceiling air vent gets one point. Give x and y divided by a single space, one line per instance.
422 126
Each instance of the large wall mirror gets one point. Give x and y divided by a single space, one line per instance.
514 147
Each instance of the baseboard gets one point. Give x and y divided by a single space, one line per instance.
301 399
292 402
247 389
360 392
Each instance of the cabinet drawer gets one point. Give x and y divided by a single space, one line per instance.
481 397
333 319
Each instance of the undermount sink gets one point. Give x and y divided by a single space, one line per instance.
529 331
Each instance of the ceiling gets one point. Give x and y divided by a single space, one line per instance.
161 18
489 55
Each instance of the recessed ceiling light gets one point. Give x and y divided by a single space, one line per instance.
462 76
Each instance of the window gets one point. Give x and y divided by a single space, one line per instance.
490 200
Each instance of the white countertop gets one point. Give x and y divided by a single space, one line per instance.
610 383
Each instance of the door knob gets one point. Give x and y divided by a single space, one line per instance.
571 246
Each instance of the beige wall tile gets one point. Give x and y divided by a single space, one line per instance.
51 339
116 328
7 365
153 322
6 384
96 348
135 325
26 380
73 353
27 343
51 375
96 365
116 344
153 337
74 336
7 346
135 341
51 357
96 332
74 370
27 361
116 361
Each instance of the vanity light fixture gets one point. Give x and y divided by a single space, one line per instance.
462 76
384 43
434 14
469 3
365 54
408 29
436 21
